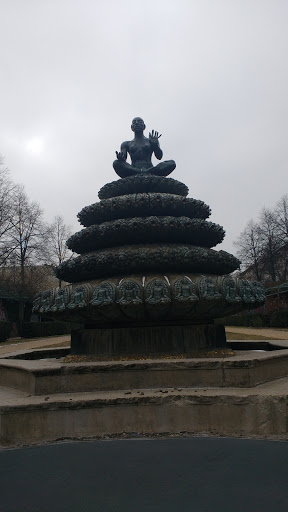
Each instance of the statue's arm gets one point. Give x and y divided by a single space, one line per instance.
124 149
154 140
158 152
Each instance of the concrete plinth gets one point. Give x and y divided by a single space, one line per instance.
47 399
51 376
228 412
148 339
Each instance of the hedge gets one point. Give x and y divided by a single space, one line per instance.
5 330
279 319
275 319
42 329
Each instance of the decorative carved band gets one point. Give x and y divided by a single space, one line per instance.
129 292
224 292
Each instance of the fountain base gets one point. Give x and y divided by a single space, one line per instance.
147 339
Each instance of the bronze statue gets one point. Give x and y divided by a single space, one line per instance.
141 150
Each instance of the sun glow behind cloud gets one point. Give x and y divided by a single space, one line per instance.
35 146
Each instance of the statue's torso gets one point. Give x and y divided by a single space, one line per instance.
140 152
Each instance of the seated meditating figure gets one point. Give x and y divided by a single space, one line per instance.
141 150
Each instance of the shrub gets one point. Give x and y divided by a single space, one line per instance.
279 319
256 321
246 320
42 329
235 320
5 330
272 319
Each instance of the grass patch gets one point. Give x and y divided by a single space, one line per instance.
241 336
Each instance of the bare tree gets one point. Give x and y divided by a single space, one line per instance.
271 243
250 248
281 222
30 233
263 245
281 218
59 232
7 209
29 247
28 240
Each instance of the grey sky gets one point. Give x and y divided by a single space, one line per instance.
210 75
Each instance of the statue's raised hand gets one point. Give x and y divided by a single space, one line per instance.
120 156
154 136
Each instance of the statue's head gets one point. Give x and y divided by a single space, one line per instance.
138 125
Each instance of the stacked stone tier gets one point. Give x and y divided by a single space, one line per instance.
143 205
142 183
145 261
146 258
152 229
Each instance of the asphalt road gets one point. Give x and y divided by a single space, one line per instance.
179 475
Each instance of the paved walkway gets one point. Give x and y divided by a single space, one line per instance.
275 334
13 345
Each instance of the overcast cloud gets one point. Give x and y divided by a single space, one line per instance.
210 75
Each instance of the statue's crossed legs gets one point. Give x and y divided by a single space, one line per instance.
124 169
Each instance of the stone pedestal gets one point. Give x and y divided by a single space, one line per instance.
147 279
148 339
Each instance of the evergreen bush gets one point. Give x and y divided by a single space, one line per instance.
5 330
256 321
246 320
279 319
42 329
